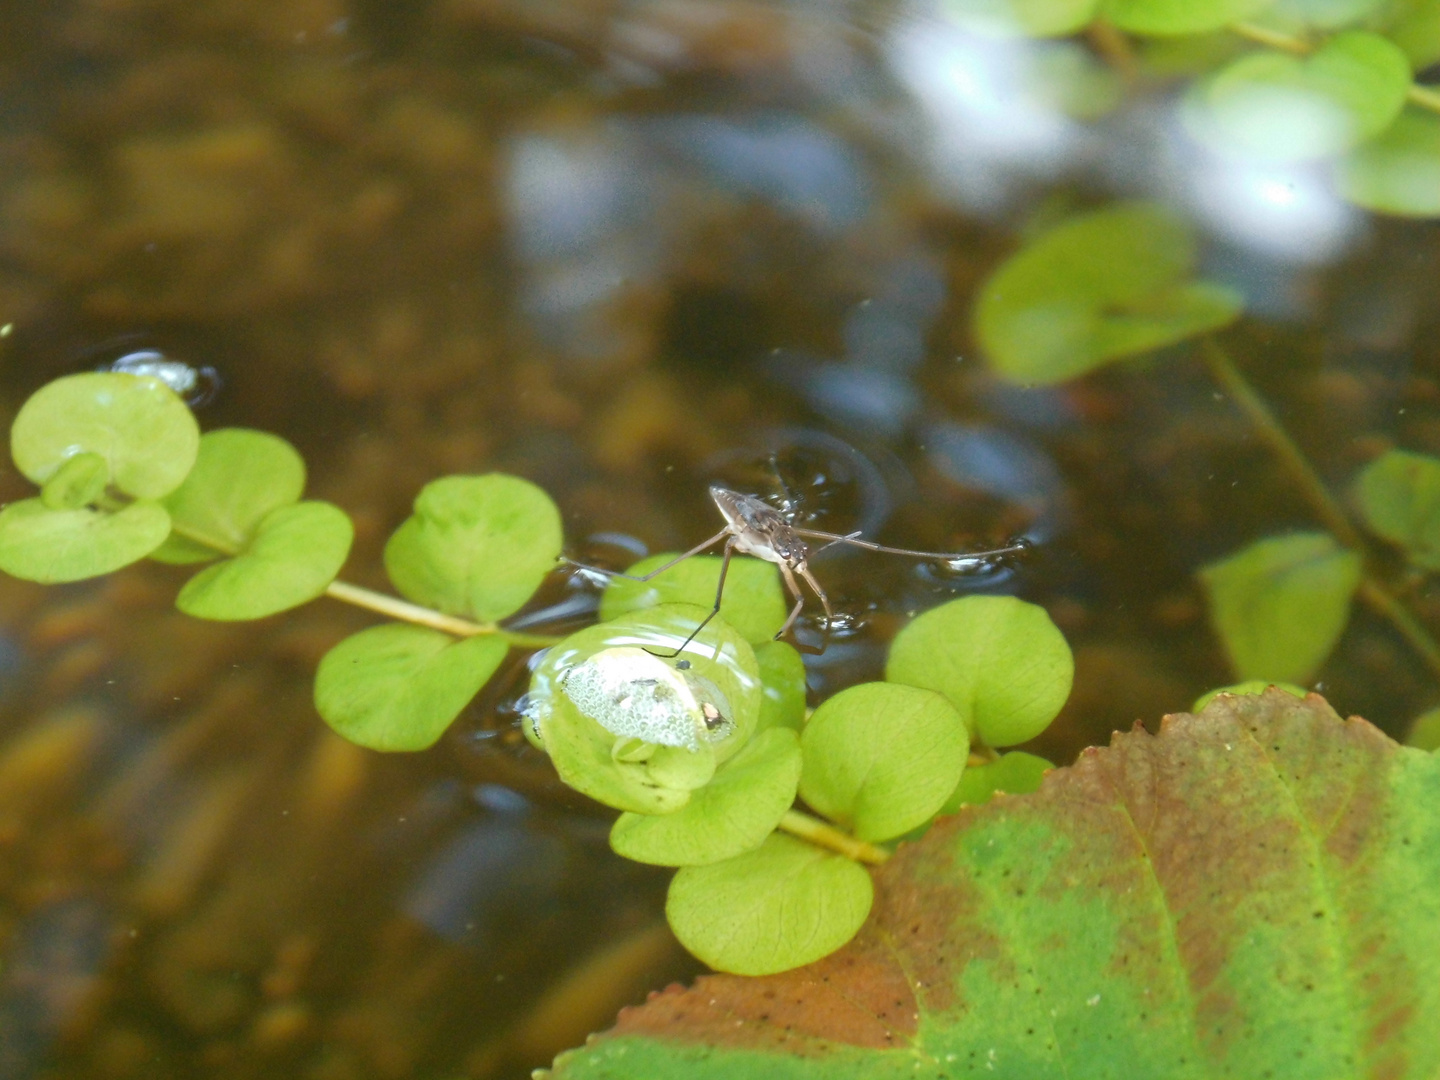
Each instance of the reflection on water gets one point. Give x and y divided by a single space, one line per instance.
625 250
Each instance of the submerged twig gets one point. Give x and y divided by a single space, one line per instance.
1372 591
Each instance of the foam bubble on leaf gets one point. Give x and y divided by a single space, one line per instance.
635 694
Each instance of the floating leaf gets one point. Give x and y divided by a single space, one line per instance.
729 816
294 556
52 546
784 904
1425 731
395 687
76 484
1399 172
782 676
239 477
147 436
1015 773
1163 17
1032 18
999 660
1269 106
753 603
880 758
1399 495
1414 25
1253 892
1105 285
1323 14
1249 686
476 546
1281 604
644 745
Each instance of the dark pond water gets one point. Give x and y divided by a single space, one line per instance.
624 249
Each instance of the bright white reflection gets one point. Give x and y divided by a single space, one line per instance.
1287 212
979 94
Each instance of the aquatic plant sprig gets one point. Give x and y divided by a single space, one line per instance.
1121 276
692 725
1366 583
1331 85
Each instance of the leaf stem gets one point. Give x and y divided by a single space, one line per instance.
1275 39
1386 603
405 611
391 606
1301 471
1425 96
825 835
1330 512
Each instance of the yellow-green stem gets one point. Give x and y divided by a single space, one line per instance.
1275 39
405 611
391 606
1425 96
825 835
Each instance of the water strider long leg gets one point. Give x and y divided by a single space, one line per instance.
794 589
1016 548
719 592
696 550
804 572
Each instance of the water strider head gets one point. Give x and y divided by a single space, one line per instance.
759 529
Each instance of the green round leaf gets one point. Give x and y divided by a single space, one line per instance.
1321 14
476 546
614 771
1281 604
753 603
76 484
1030 18
881 758
1249 686
1270 106
1399 172
784 904
732 814
627 727
1015 773
1164 17
1399 495
999 660
396 687
1425 731
294 556
146 434
52 546
1414 25
1105 285
782 677
239 477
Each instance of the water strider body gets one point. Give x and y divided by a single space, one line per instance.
754 527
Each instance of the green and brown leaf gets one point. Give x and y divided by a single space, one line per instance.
1253 892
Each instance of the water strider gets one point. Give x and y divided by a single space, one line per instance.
754 527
